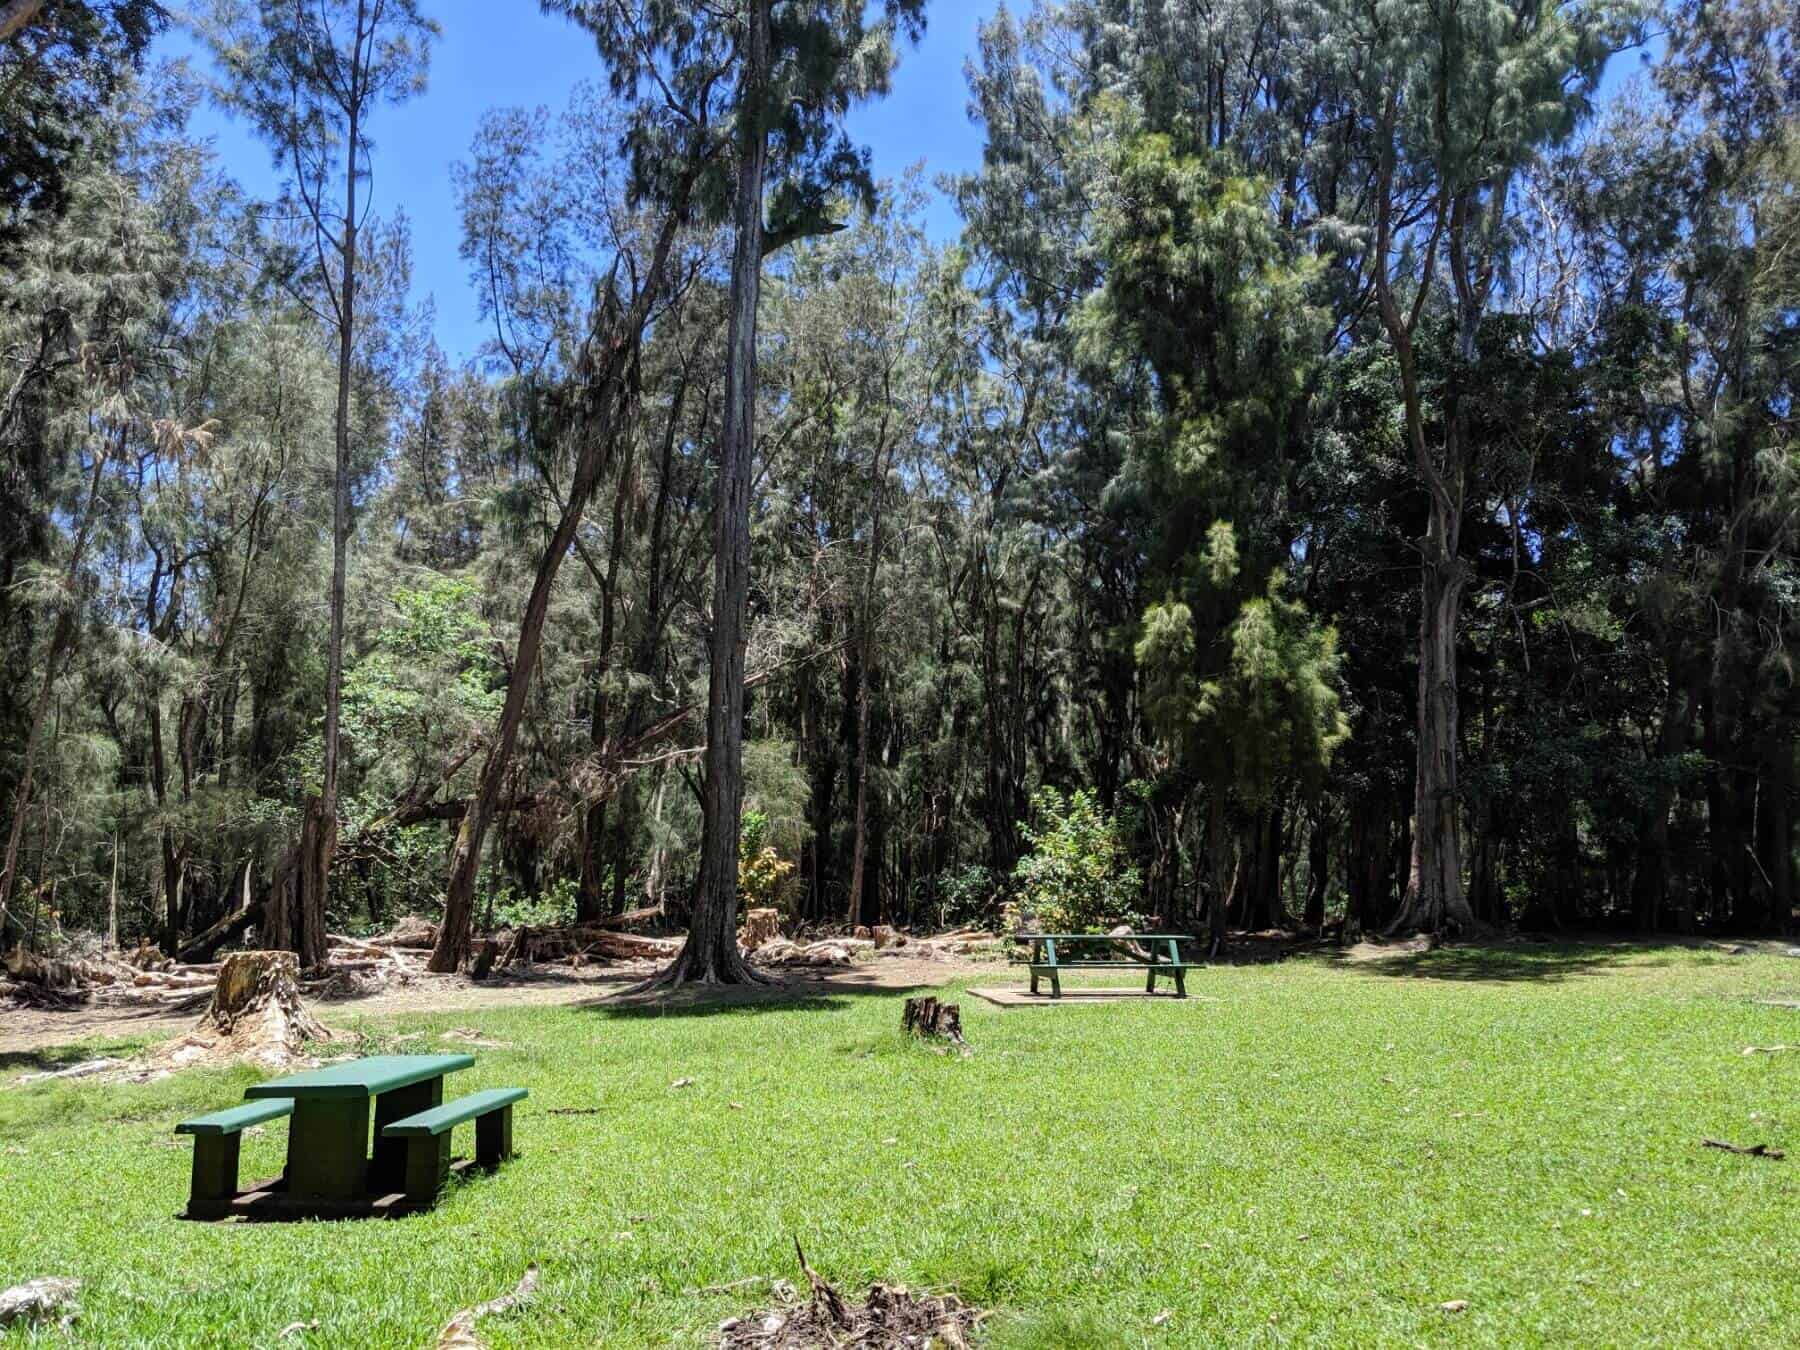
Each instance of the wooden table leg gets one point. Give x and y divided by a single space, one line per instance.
388 1167
328 1143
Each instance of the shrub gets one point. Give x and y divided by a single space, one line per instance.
764 876
969 895
1077 877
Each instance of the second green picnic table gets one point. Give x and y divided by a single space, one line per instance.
328 1137
1158 955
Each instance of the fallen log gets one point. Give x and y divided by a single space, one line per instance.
30 968
411 933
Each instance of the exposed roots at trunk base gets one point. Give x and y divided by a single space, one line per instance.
891 1318
695 966
255 1014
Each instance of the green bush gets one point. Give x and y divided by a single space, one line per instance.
970 895
1077 877
764 876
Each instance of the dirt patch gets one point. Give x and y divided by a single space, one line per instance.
28 1030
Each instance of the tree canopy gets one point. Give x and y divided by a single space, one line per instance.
1341 472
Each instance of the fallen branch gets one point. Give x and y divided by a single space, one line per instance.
1753 1151
459 1331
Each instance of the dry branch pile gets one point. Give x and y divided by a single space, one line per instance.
890 1318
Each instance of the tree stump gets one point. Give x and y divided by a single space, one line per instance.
256 1009
761 927
929 1018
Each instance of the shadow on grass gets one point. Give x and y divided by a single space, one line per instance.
49 1058
1510 963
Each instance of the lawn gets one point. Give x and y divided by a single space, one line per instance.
1303 1152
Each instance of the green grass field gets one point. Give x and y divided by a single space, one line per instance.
1302 1152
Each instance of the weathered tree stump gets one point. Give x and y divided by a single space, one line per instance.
929 1018
761 927
256 1009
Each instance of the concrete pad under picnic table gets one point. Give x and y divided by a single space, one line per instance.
1011 996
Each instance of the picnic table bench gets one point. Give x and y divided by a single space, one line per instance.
331 1170
1158 955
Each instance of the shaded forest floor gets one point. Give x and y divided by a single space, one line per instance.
1497 1145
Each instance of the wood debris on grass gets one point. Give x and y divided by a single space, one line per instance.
459 1331
39 1300
83 1070
1750 1151
892 1317
1769 1049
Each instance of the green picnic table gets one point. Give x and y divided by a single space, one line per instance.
328 1138
1158 955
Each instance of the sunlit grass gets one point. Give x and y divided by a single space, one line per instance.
1305 1152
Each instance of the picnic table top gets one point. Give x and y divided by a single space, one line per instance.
362 1077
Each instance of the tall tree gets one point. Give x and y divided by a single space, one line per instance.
597 408
790 70
1457 98
309 76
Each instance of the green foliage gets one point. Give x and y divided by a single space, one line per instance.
1078 877
432 671
675 66
551 907
969 896
1273 714
764 876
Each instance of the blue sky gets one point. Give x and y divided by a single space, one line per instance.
529 59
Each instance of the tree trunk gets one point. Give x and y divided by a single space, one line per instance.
61 640
1318 859
710 955
319 827
34 735
1434 899
1775 832
1650 881
15 14
860 846
608 360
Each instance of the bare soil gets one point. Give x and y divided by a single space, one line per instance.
26 1030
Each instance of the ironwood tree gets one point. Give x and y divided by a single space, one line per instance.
309 77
